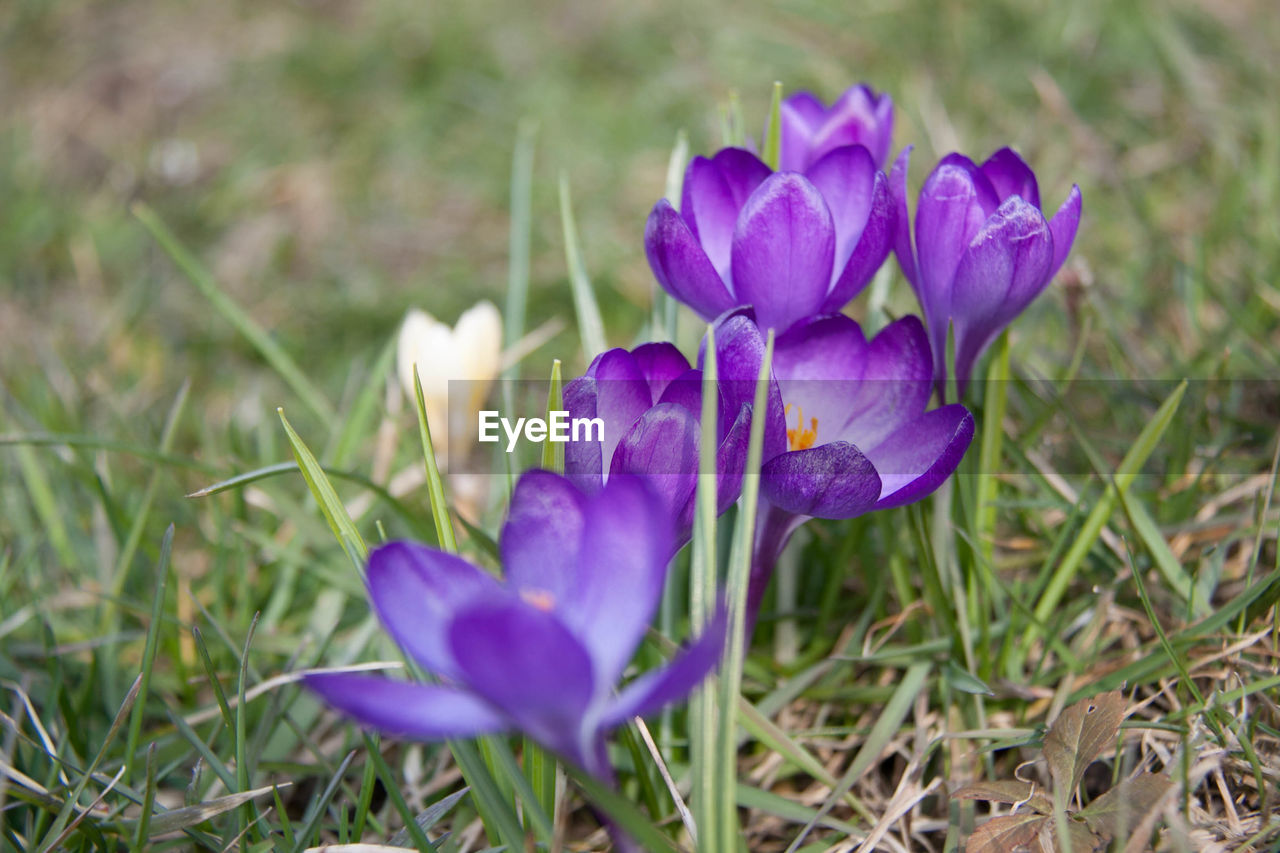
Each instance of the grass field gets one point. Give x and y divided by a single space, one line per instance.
331 164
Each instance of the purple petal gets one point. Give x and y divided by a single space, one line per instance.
625 549
523 660
819 364
740 349
622 396
662 447
660 687
954 204
921 455
896 384
871 250
846 178
1005 267
423 711
902 220
681 265
828 481
800 113
543 533
1063 227
417 591
685 391
659 364
782 251
714 193
856 118
583 463
1010 175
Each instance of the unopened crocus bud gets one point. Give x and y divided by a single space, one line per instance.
470 351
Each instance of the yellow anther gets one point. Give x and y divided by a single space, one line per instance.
801 438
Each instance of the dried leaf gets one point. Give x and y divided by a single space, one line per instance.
1079 735
1124 806
1079 839
1006 834
1005 791
178 819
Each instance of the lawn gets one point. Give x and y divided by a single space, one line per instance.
212 211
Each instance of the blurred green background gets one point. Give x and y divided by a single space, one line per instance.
334 162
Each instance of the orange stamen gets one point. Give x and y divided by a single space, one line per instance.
539 598
801 438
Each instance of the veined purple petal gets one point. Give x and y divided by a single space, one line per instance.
521 658
954 203
896 383
423 711
417 591
858 117
583 459
740 347
714 193
622 396
902 221
783 249
662 447
660 364
919 457
828 481
681 264
543 534
1004 268
1010 175
846 178
685 391
660 687
1063 226
871 250
625 550
819 363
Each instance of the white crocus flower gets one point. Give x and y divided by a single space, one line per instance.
470 351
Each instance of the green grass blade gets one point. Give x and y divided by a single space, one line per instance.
590 326
622 812
884 730
1125 474
772 154
335 512
736 591
553 451
435 485
703 713
149 650
273 352
315 812
993 411
53 835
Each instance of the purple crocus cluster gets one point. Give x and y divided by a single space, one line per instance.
852 423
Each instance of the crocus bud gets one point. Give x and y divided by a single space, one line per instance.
983 249
471 351
811 130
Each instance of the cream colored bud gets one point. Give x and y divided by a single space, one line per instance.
471 351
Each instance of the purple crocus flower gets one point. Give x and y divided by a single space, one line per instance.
790 244
811 130
983 249
541 650
650 403
856 435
